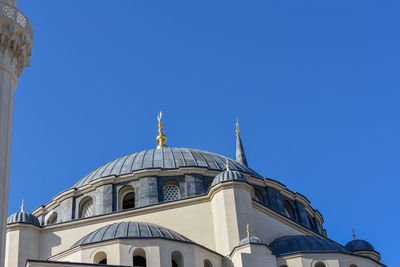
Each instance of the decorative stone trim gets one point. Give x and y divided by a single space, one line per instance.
16 36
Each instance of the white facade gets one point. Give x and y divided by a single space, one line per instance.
215 222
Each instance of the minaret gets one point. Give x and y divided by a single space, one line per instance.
15 52
240 155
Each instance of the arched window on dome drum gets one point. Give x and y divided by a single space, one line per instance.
258 196
52 219
320 264
100 258
139 258
176 259
207 263
126 196
171 192
311 222
288 209
86 208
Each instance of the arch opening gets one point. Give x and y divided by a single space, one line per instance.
139 258
288 209
126 196
86 208
207 263
176 259
100 258
52 219
311 222
320 264
258 196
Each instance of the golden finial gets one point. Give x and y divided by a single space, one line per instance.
227 165
248 230
161 139
354 234
237 128
22 206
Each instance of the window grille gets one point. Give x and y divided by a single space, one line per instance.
171 192
87 210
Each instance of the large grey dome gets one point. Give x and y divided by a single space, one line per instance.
165 158
304 243
132 230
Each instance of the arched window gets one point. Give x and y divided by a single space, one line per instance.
207 263
139 258
353 265
176 259
284 265
52 219
288 209
171 192
311 222
320 264
86 208
126 197
258 196
100 258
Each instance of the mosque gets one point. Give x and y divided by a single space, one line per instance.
161 207
178 207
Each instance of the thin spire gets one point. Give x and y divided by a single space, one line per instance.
161 138
354 234
248 230
22 206
240 155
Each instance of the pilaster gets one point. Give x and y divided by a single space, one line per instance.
232 211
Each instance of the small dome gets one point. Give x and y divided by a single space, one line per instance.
23 217
304 243
251 239
359 245
229 176
130 230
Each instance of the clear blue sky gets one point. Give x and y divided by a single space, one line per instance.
315 85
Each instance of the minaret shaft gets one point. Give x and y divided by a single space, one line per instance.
7 86
15 53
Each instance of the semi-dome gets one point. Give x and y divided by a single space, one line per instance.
304 243
229 175
164 158
359 245
130 230
23 217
